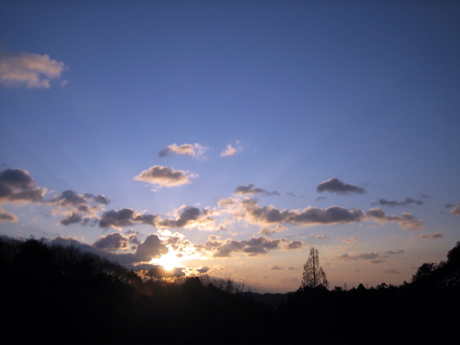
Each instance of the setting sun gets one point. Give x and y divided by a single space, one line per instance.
169 261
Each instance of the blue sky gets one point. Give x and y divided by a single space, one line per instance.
231 136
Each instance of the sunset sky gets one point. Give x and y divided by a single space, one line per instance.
229 137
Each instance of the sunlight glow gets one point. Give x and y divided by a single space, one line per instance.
170 260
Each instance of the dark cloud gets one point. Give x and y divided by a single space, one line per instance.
164 176
125 217
372 257
393 203
112 242
151 248
253 247
276 268
309 216
16 185
250 190
188 216
432 236
407 221
334 185
391 252
455 208
7 217
77 208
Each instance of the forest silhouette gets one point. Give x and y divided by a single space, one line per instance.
61 295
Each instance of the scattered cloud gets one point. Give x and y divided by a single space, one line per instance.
276 268
432 236
189 217
406 221
392 271
195 150
7 217
271 229
334 185
29 70
391 252
253 247
393 203
113 242
17 186
231 150
164 176
250 190
125 217
306 217
77 208
455 208
372 257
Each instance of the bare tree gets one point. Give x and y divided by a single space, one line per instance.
313 274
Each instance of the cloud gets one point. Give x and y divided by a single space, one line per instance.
407 201
195 150
188 217
112 242
432 236
455 210
306 217
125 217
7 217
250 190
271 229
253 247
77 208
391 252
184 217
276 268
407 221
372 257
334 185
17 186
231 150
151 248
29 70
392 271
164 176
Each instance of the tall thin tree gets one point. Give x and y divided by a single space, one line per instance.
313 274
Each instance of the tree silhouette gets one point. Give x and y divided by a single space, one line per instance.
313 274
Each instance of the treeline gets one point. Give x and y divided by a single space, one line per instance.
56 294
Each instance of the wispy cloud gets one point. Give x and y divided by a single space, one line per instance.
393 203
7 217
231 150
29 70
195 150
455 208
250 190
432 236
164 176
375 258
334 185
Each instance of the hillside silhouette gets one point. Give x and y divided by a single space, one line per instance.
60 295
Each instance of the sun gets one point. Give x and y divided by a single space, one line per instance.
169 261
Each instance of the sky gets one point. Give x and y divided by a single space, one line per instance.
229 137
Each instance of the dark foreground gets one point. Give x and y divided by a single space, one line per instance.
59 295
